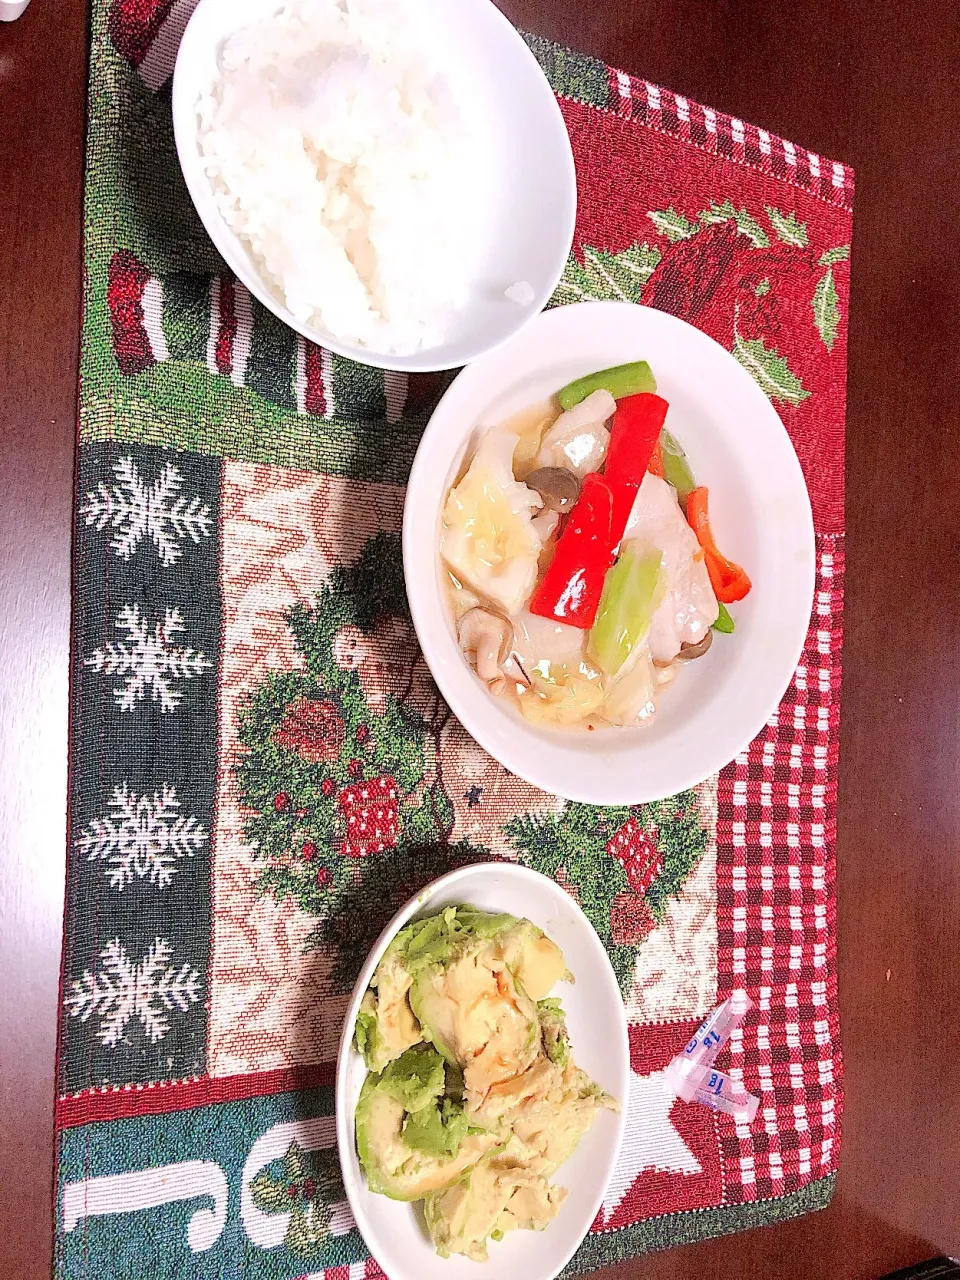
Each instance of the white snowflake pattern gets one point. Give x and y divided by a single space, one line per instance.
138 510
122 990
148 659
142 836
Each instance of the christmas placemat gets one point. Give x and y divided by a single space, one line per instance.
245 678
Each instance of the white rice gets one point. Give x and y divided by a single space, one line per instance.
337 153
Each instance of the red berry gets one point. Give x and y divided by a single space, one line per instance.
363 733
309 850
327 786
309 1189
281 801
355 768
323 877
293 1190
636 850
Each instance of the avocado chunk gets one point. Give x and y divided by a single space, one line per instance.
553 1024
393 1166
437 939
438 1129
494 1198
386 1025
536 960
548 1125
478 1015
385 1022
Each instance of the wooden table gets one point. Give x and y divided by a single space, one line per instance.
871 82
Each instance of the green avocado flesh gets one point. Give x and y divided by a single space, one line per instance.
402 1169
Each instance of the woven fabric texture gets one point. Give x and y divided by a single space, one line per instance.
262 769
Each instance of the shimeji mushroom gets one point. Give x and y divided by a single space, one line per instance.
558 487
690 651
486 639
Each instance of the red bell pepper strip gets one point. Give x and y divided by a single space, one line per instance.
573 583
728 580
633 438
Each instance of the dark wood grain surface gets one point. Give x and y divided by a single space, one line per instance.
872 82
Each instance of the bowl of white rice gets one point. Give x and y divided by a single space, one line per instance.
392 178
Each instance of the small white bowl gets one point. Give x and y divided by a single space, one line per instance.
598 1033
760 512
531 194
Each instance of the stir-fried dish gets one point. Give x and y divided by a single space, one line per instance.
473 1100
581 565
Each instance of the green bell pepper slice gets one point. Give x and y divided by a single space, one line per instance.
676 469
621 380
724 621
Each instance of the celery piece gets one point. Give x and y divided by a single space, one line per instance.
630 596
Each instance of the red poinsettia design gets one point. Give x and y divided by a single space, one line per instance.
636 850
372 813
631 919
313 728
699 279
766 300
134 24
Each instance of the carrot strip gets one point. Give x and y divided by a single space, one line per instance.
730 583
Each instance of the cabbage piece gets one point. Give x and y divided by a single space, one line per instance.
488 537
630 698
578 440
561 695
539 640
689 607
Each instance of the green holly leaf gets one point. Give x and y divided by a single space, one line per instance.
826 312
762 288
295 1166
269 1194
717 213
745 224
788 227
574 286
673 225
603 275
769 370
309 1228
839 254
682 841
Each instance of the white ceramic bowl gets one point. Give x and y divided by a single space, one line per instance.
760 512
531 193
598 1033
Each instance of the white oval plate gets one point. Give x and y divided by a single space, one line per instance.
598 1033
530 183
761 517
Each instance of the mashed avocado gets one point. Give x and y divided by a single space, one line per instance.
473 1098
477 1014
497 1196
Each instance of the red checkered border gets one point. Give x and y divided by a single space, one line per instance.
725 135
776 918
368 1269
